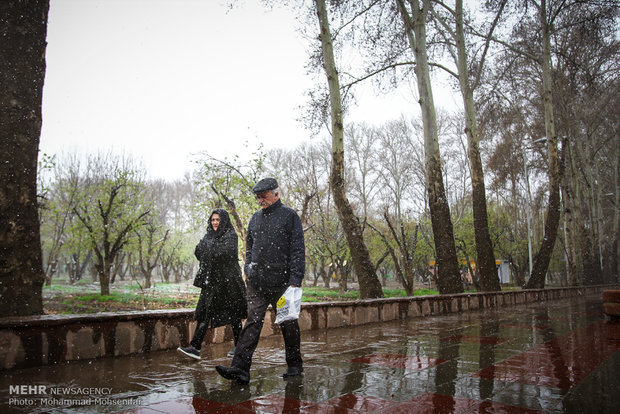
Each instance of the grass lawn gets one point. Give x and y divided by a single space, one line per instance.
84 296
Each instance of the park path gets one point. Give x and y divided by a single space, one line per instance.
560 356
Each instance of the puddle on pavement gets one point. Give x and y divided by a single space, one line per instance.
540 357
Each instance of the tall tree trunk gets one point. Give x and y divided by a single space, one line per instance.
104 281
589 260
448 280
485 265
617 217
543 257
147 279
569 209
103 266
580 231
325 274
369 284
22 72
593 203
569 200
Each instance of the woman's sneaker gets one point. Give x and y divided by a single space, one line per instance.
190 351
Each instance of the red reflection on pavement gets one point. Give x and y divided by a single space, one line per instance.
487 340
562 362
274 404
436 403
413 363
352 403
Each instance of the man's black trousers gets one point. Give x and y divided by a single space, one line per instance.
258 301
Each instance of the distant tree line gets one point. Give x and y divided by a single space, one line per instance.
101 217
524 70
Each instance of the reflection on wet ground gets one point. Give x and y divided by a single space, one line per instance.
561 356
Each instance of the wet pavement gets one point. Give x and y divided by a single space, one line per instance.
556 357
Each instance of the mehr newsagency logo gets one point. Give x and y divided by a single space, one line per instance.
46 396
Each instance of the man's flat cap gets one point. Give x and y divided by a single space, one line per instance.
265 184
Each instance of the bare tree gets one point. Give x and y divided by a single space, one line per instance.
110 211
361 158
60 189
369 284
468 82
531 58
231 182
586 72
304 174
296 171
150 247
406 244
543 257
414 19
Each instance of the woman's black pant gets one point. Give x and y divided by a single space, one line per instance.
201 331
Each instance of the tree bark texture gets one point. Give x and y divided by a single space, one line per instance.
617 216
485 263
582 235
569 234
369 284
582 201
543 257
448 280
23 28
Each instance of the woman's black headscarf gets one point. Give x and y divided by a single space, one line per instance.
225 224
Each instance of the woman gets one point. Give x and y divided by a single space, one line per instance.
222 297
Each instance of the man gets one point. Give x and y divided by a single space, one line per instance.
275 259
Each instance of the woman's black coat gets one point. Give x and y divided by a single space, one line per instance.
222 296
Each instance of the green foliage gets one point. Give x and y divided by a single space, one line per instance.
227 183
122 297
508 230
394 293
94 302
311 299
110 206
425 292
331 294
111 201
45 168
464 238
66 289
321 294
101 298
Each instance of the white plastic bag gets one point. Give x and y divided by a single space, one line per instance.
289 305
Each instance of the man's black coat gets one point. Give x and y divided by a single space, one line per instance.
275 250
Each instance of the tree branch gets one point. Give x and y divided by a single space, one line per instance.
347 86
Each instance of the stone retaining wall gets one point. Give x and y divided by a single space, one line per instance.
50 339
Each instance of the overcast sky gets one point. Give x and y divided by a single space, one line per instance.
164 79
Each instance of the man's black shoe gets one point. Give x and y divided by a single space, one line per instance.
233 373
293 372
